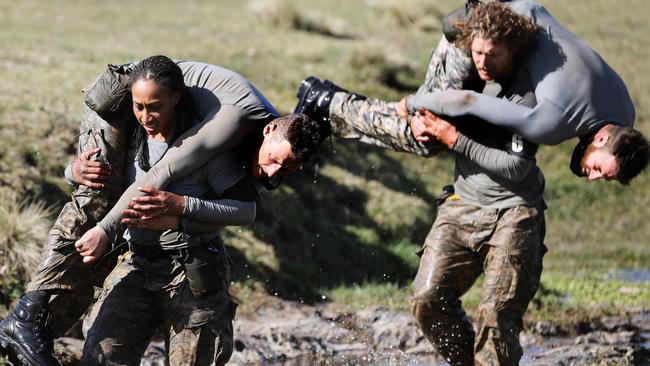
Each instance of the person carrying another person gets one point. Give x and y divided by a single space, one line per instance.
233 114
491 220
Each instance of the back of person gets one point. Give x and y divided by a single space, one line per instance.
597 94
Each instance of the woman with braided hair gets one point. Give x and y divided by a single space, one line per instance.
176 271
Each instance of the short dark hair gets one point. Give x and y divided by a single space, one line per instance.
303 133
631 150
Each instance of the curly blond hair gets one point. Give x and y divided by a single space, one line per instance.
500 24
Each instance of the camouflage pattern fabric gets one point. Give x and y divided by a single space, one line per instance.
465 241
140 295
375 122
449 68
61 268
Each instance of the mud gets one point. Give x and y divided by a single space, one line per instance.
287 333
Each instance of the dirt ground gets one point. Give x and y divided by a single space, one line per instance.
288 333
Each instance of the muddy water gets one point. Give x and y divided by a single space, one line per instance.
292 334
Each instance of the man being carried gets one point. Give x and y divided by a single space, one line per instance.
596 108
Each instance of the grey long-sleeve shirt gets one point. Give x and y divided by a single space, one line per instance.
219 174
200 215
495 168
577 92
230 107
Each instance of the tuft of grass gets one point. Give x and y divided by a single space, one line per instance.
423 15
393 72
360 296
24 226
279 13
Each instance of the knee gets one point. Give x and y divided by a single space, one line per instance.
503 316
431 306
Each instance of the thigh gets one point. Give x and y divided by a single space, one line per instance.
448 267
514 264
200 329
123 319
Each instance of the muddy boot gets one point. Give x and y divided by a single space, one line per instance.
315 97
25 334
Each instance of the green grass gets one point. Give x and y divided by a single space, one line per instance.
348 228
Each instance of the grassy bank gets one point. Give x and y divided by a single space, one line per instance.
346 229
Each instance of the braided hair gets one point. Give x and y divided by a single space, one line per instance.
166 73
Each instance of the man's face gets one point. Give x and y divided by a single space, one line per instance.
593 160
275 156
597 163
493 61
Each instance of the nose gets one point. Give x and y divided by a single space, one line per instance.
272 170
594 175
145 116
480 61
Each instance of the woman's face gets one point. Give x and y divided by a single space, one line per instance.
153 106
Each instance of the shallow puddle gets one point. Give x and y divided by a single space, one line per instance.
636 275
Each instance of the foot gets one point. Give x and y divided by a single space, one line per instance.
25 334
314 99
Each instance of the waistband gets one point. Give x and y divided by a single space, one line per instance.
155 251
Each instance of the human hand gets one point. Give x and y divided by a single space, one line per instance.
419 128
156 203
401 109
426 126
439 128
88 172
92 245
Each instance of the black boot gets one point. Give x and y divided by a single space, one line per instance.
25 335
314 98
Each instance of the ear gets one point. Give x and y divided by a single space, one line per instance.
176 98
269 129
601 137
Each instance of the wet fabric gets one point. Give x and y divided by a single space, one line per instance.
465 241
140 295
60 267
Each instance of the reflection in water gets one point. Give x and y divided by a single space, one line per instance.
637 275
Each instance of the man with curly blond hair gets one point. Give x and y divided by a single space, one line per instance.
492 223
491 220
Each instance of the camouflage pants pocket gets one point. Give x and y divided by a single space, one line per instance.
207 270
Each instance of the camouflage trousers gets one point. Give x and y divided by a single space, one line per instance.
140 295
506 245
61 271
376 122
